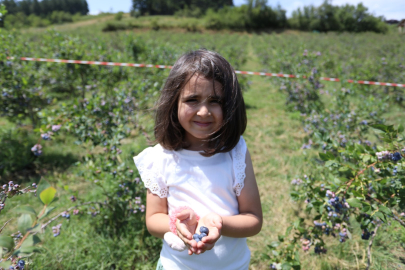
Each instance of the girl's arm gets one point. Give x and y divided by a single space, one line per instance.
157 218
250 218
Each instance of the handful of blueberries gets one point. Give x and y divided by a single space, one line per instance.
203 232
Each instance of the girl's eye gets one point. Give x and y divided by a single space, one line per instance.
191 100
216 101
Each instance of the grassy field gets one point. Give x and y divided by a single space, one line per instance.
274 137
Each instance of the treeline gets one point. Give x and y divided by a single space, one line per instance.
25 13
328 17
45 7
170 7
257 15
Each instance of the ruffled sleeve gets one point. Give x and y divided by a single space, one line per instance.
238 158
149 163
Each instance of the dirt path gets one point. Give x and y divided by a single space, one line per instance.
273 139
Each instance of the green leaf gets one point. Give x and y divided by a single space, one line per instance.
330 163
353 202
275 244
36 229
380 216
380 127
25 209
6 242
31 240
43 184
343 169
385 210
323 156
48 210
288 231
47 195
286 266
400 128
26 251
366 158
24 223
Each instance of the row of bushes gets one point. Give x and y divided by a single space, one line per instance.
324 18
189 25
337 18
20 20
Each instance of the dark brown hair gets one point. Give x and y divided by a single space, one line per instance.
210 65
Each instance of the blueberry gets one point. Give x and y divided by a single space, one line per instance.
202 236
196 237
396 156
204 230
21 263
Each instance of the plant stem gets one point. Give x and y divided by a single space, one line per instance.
369 246
5 224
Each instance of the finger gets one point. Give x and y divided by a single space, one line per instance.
211 238
208 246
182 229
185 214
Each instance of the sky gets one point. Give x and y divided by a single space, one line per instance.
390 9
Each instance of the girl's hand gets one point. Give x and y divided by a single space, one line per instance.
185 224
214 224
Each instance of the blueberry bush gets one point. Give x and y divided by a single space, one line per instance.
356 178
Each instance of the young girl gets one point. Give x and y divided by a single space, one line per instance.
200 173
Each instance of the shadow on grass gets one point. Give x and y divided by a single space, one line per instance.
36 167
250 107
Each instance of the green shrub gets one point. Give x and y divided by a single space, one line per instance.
15 150
36 21
17 20
114 26
246 18
155 25
118 16
58 17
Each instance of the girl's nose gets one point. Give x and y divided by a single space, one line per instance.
203 110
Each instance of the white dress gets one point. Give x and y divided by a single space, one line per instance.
206 184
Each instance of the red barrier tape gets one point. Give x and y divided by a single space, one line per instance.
169 67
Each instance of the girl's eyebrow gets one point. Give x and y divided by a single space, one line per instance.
197 96
190 96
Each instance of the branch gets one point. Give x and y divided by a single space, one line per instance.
69 209
393 216
5 224
146 135
357 175
369 246
399 220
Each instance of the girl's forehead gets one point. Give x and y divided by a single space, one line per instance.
200 85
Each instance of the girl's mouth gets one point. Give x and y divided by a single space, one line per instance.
202 124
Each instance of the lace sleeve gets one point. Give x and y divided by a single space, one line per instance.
239 165
149 167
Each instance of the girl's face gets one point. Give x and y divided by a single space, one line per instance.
200 110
